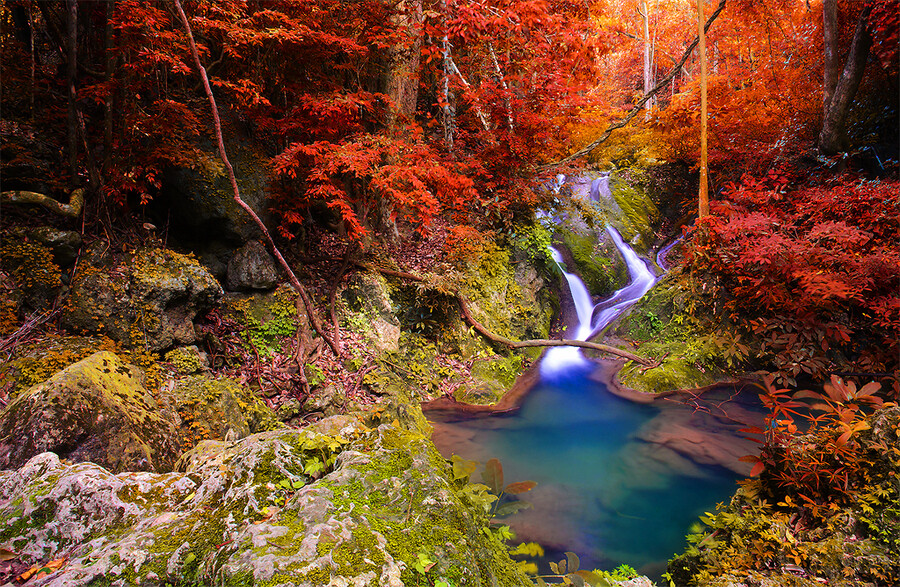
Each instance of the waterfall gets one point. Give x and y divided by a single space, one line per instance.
594 318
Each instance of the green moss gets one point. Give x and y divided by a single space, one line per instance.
639 214
267 318
591 264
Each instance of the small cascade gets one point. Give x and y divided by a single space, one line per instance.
594 318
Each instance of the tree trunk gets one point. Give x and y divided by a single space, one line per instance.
644 11
403 77
704 196
833 137
108 71
831 67
71 72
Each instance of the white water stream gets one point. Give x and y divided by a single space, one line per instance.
594 318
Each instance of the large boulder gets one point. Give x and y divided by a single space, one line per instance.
367 295
251 267
286 507
95 410
145 299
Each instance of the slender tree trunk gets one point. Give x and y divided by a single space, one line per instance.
704 196
833 137
71 72
447 113
109 70
831 67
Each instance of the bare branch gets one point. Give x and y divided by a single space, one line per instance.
640 103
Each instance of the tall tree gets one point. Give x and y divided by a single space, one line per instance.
833 136
701 34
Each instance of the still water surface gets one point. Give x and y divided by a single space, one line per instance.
610 486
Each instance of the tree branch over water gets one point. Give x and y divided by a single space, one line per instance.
640 103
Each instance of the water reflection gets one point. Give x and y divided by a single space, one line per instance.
618 482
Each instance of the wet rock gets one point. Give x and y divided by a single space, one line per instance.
251 267
278 508
146 299
95 410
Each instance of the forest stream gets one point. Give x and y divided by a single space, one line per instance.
619 482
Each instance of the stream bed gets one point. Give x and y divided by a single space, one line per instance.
619 482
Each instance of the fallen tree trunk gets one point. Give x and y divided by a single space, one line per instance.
516 344
70 210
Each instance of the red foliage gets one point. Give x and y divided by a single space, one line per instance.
814 273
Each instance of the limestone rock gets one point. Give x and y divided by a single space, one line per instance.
218 409
147 299
95 410
369 295
251 267
279 508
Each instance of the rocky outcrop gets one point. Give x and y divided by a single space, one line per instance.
201 200
287 507
95 410
146 299
250 268
368 294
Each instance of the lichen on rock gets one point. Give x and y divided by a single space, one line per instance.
277 508
146 299
94 410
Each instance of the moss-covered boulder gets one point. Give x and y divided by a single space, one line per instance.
95 410
145 299
218 409
658 326
285 507
367 296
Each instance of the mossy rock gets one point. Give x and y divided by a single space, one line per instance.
94 410
146 299
493 377
639 214
32 268
218 409
267 318
285 507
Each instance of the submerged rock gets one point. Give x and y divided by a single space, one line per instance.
278 508
95 410
148 299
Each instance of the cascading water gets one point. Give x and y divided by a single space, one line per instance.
594 318
610 486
